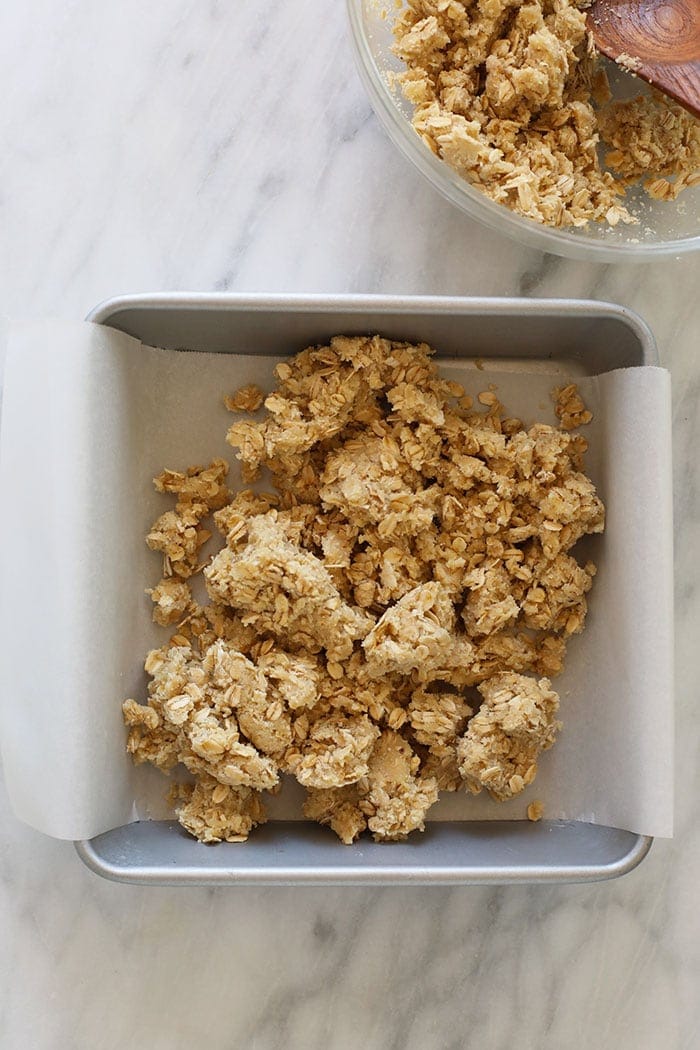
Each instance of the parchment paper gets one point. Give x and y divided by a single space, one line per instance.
90 415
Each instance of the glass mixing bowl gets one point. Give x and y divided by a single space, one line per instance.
665 227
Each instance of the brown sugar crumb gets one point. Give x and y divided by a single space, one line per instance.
171 600
569 407
652 138
490 604
246 399
282 589
515 723
338 808
535 810
213 812
200 489
508 93
335 753
197 705
629 62
398 796
555 599
178 533
205 624
415 634
369 481
232 520
179 536
437 717
413 551
293 678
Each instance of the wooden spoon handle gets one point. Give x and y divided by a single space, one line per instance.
681 82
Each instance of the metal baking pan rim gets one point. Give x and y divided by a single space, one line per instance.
359 302
385 874
350 875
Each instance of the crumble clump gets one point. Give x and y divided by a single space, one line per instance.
500 748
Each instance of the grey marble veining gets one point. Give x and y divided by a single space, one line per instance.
204 145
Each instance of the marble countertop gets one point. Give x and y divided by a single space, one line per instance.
204 145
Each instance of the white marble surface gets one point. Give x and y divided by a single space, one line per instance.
204 145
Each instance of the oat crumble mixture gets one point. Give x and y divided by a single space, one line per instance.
383 623
513 96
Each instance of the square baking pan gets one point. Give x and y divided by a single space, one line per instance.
588 338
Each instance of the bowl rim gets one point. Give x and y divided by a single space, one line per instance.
478 206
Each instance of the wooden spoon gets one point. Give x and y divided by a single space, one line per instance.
659 40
